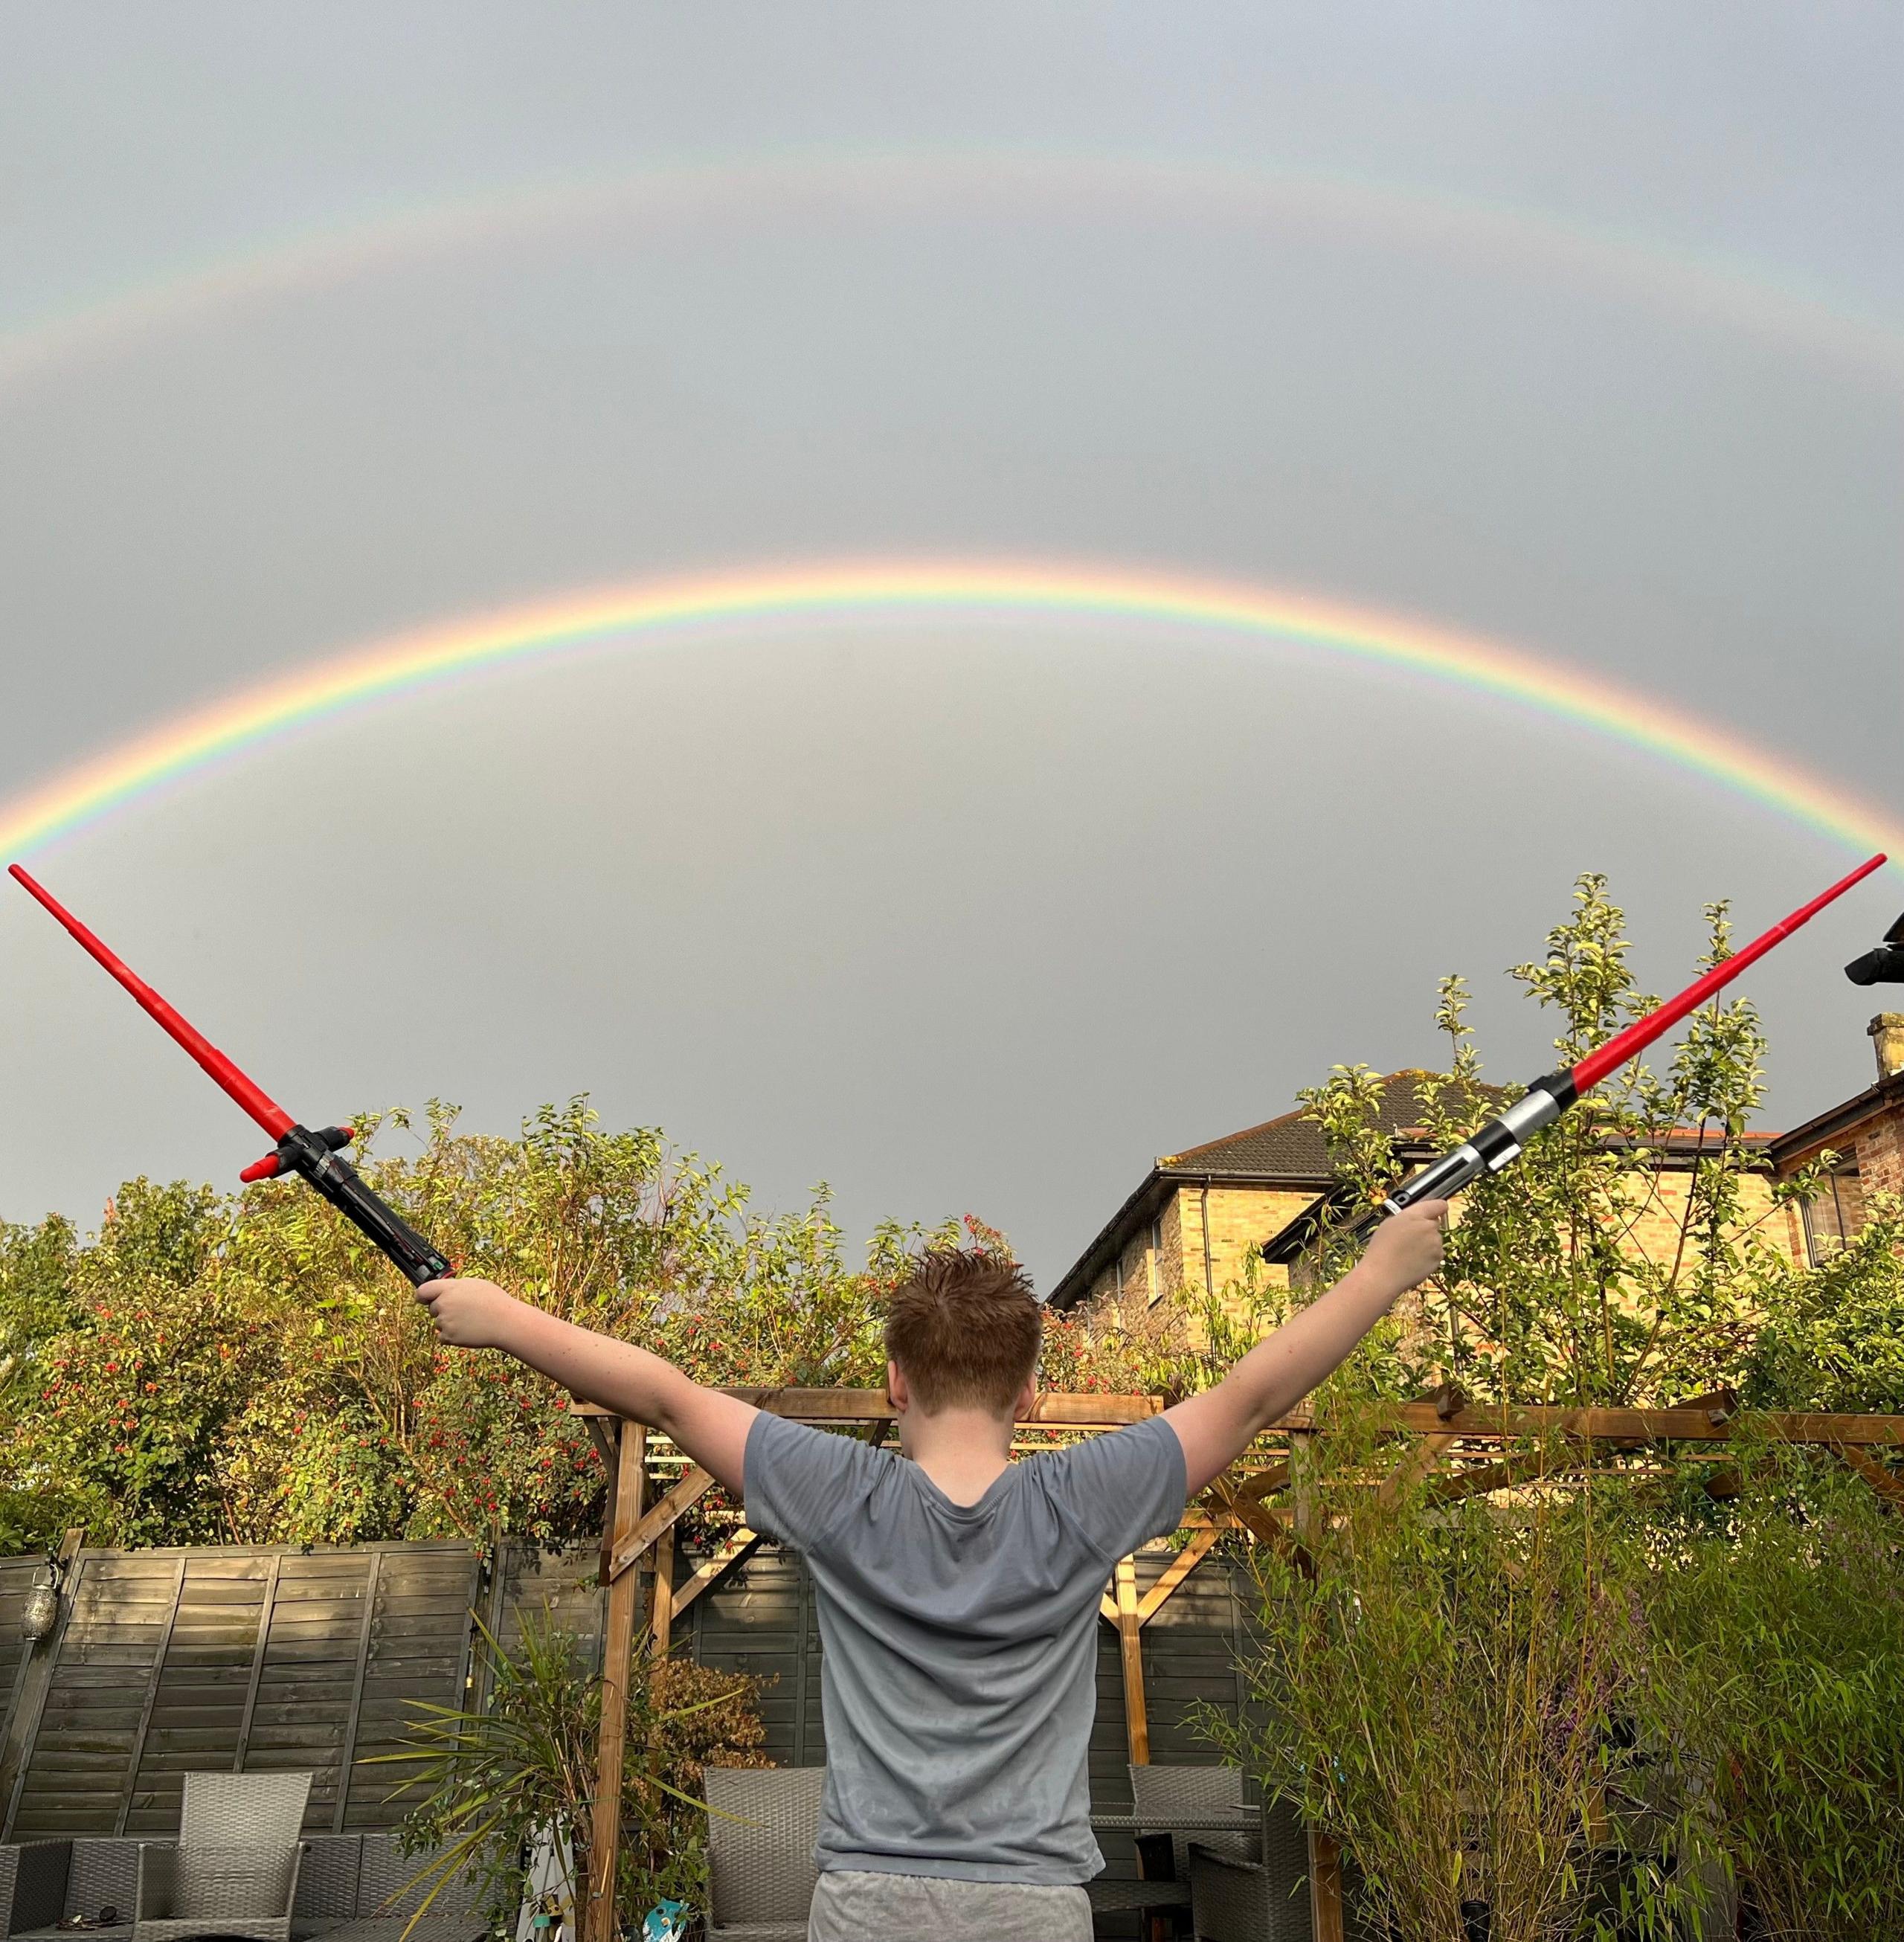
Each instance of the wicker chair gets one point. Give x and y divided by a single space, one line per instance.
235 1870
1170 1793
760 1851
1258 1898
1193 1792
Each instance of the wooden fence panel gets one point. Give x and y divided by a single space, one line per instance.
76 1776
202 1684
418 1649
256 1659
760 1619
172 1661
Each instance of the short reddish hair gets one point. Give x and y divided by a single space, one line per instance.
964 1328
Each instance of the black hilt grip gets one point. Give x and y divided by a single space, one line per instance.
310 1157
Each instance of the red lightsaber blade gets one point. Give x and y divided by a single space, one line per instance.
217 1067
1501 1140
315 1157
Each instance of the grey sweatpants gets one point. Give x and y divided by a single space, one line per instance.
853 1906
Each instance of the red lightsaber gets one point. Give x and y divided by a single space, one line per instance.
316 1157
1499 1142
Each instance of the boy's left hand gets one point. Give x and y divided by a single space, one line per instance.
469 1312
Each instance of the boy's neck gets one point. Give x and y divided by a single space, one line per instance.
964 1451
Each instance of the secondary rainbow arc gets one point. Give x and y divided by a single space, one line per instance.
413 662
1739 293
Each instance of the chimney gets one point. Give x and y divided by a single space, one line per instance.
1887 1032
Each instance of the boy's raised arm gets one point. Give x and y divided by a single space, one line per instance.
1217 1426
711 1427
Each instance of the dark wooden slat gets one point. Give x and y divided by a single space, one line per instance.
349 1742
151 1694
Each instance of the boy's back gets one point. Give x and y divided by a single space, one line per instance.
958 1592
959 1677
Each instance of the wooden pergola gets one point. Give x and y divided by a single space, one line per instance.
1469 1445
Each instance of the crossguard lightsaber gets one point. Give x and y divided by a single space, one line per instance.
316 1157
1501 1141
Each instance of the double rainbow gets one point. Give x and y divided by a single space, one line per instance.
413 664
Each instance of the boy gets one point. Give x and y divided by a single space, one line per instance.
958 1591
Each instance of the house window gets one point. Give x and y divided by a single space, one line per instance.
1150 1265
1834 1213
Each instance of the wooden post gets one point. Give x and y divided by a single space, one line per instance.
617 1648
1325 1858
1130 1643
661 1603
1325 1888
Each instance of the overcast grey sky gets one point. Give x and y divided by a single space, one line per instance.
1581 328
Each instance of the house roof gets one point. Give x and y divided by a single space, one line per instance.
1290 1150
1789 1150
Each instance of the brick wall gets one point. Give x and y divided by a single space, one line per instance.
1162 1259
1881 1150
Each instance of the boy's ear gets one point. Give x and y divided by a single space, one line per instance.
898 1392
1026 1397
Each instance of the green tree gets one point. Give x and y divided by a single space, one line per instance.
1558 1285
246 1368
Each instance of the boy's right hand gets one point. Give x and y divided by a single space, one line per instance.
1406 1248
469 1312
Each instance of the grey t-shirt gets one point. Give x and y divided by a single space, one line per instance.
960 1640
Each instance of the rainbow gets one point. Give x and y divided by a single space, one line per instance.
413 664
687 194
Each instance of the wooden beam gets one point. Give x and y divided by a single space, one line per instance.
738 1547
1488 1477
694 1484
353 1715
1263 1524
1180 1567
618 1645
268 1600
1130 1644
1888 1485
1415 1465
1688 1423
1261 1483
1055 1409
604 1446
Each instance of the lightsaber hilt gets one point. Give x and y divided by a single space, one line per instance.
317 1159
1487 1150
1501 1141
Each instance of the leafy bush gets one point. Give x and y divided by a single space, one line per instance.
1777 1679
1591 1272
1833 1337
1441 1687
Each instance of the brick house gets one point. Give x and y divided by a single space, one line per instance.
1199 1216
1866 1132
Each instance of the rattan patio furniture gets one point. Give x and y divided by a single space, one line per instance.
33 1885
761 1836
1170 1802
1164 1795
1260 1895
233 1871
